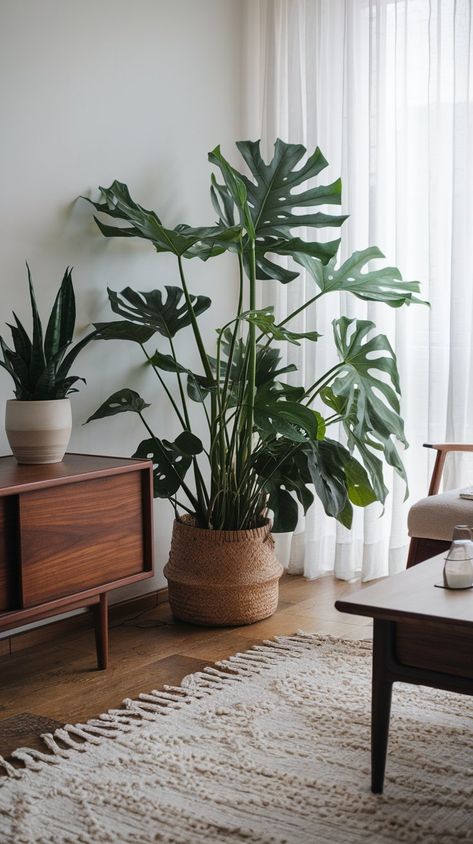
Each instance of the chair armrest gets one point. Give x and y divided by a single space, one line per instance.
442 450
446 447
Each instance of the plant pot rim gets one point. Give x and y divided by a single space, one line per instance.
187 522
38 401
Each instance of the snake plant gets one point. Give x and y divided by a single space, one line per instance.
267 442
39 365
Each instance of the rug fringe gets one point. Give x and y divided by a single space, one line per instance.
9 769
151 706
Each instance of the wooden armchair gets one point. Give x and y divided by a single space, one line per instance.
432 519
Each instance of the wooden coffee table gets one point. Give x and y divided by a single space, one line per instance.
422 635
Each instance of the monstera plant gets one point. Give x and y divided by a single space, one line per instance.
268 442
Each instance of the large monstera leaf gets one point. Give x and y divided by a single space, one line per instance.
149 308
123 330
339 480
274 208
283 470
198 386
366 395
382 285
268 361
278 411
265 321
183 240
123 401
171 461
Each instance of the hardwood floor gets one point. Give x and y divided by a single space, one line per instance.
56 682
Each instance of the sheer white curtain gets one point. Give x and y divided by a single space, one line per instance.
384 88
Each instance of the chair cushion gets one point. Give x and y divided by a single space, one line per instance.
435 517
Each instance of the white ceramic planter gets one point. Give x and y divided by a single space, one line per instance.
38 431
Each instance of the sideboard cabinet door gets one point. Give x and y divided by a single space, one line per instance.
81 535
9 562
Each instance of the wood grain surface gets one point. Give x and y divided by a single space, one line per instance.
15 477
57 679
434 645
75 540
69 533
412 594
9 568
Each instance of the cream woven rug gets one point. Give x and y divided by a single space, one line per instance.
270 747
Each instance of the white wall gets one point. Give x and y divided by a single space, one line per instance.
92 90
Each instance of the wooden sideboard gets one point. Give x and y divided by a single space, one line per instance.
69 533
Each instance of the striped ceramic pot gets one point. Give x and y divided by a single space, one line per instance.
38 431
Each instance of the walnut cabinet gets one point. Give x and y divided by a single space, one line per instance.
69 533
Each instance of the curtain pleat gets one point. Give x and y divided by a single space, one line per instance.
384 88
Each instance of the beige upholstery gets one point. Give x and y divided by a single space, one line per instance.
435 517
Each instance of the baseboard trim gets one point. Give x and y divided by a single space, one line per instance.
83 620
140 603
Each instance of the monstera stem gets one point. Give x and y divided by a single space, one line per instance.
208 373
161 381
185 422
227 443
292 315
251 375
199 481
195 326
236 328
300 309
315 388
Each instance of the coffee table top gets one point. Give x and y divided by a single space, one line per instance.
412 594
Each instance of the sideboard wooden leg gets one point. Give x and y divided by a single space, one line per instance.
101 631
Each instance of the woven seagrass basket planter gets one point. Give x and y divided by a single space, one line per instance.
222 578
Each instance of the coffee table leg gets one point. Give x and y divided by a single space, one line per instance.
380 703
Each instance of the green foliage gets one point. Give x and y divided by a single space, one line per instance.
123 401
265 321
182 240
39 366
268 203
165 316
268 444
172 461
386 284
